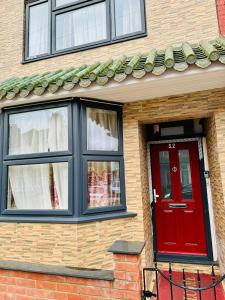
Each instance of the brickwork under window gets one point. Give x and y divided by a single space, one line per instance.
127 284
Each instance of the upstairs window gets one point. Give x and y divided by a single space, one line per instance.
58 26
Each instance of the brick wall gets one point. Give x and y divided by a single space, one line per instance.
85 245
167 22
216 152
221 15
127 285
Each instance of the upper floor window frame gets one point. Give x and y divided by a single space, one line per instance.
55 11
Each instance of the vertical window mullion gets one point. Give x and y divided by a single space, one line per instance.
1 160
113 20
51 6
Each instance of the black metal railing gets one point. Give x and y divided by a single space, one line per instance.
183 285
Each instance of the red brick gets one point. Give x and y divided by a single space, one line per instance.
91 282
126 266
7 296
22 297
117 294
69 288
221 15
3 288
133 295
123 285
120 274
25 282
90 290
78 297
48 285
133 258
17 290
44 277
133 276
8 280
119 257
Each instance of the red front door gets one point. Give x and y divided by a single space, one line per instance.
179 217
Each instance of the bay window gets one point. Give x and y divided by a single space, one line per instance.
59 26
63 158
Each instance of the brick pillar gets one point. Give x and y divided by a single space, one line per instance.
127 269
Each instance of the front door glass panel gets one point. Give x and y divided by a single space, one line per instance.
165 174
185 174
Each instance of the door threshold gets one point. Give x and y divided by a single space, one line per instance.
186 259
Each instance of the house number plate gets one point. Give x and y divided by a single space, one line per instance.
174 169
172 146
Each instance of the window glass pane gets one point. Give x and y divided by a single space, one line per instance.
38 131
65 2
103 184
128 16
185 174
38 186
102 129
81 26
38 30
165 174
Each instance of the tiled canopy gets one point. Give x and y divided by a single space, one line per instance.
178 57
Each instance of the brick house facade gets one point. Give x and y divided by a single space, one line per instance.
180 85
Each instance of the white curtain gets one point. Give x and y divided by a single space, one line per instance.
128 16
102 132
38 29
29 183
38 186
58 139
30 186
81 26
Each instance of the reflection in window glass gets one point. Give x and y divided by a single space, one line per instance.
165 174
102 130
38 30
64 2
128 16
38 186
82 26
38 131
103 184
185 174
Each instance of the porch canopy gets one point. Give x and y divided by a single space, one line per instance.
182 68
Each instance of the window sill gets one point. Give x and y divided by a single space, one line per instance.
84 48
68 220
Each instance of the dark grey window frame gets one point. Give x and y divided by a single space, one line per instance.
36 158
93 155
76 156
30 4
122 206
54 11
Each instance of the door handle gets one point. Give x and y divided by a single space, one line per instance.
155 195
177 205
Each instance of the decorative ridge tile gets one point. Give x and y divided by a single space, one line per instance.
154 62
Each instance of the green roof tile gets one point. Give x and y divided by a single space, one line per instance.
154 62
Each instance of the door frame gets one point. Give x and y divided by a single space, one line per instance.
205 198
